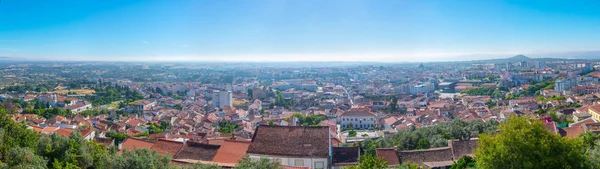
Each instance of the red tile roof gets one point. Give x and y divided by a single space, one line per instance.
86 132
64 132
49 129
388 154
231 151
165 147
134 143
294 141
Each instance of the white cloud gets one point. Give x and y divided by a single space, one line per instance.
144 42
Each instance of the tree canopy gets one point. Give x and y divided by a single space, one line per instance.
524 143
429 137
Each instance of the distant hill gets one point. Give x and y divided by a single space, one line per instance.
519 58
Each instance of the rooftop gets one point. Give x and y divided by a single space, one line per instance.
296 141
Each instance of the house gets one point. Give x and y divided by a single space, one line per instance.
143 104
358 118
88 134
576 129
595 112
79 106
292 145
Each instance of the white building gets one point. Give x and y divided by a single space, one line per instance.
422 88
222 98
358 118
293 145
561 85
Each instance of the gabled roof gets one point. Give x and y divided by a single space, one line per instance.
231 151
86 132
293 141
49 129
134 143
165 147
64 132
358 112
197 151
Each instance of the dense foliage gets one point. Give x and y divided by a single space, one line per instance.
535 89
110 94
313 120
524 143
369 162
465 162
49 112
247 163
484 91
436 136
227 127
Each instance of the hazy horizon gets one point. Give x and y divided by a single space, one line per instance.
280 31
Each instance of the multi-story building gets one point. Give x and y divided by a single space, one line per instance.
222 98
561 85
422 88
358 118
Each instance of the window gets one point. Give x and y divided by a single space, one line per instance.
319 165
299 162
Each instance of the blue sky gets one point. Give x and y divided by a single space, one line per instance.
300 30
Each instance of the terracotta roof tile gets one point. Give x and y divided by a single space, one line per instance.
196 151
165 147
358 112
296 141
134 143
231 151
64 132
49 129
428 155
388 154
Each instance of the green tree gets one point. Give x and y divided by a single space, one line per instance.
24 158
524 143
369 162
464 163
352 133
393 104
178 107
139 159
423 143
247 163
271 123
119 137
407 166
249 92
13 134
589 139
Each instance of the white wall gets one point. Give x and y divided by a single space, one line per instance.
290 161
370 121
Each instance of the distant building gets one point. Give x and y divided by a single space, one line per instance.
422 88
222 98
358 118
561 85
